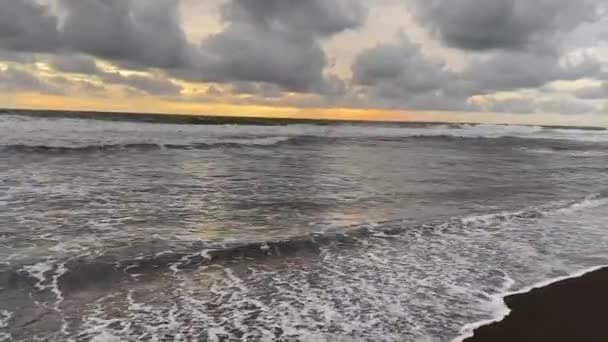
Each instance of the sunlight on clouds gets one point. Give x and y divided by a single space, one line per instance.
303 58
200 18
140 105
43 67
569 86
483 101
108 67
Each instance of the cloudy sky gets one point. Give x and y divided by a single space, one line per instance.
529 61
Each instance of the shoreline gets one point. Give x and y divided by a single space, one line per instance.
566 308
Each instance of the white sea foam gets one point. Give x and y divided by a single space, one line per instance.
39 272
262 141
205 254
589 202
398 286
48 274
5 318
580 153
550 209
377 293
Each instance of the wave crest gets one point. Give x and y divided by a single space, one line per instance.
105 268
240 143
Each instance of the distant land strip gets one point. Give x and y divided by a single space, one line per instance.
240 120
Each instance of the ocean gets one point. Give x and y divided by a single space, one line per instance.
135 231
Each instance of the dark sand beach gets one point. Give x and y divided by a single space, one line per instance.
570 310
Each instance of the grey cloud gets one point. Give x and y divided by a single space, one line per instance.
565 106
268 41
534 105
79 64
15 80
244 88
244 53
269 91
213 91
503 24
19 80
593 92
398 67
399 75
27 26
90 88
12 79
150 85
299 17
17 57
277 41
263 90
267 47
146 32
81 85
506 71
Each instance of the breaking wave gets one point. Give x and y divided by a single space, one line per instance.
60 135
255 142
266 142
79 270
350 258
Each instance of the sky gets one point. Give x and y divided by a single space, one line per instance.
503 61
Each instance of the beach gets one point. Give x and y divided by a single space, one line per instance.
569 310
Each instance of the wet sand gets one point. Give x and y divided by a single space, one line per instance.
570 310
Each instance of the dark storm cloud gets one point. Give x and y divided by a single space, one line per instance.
27 26
503 24
146 32
309 18
520 44
398 68
400 75
268 41
277 41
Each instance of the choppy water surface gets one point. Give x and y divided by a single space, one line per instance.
118 231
